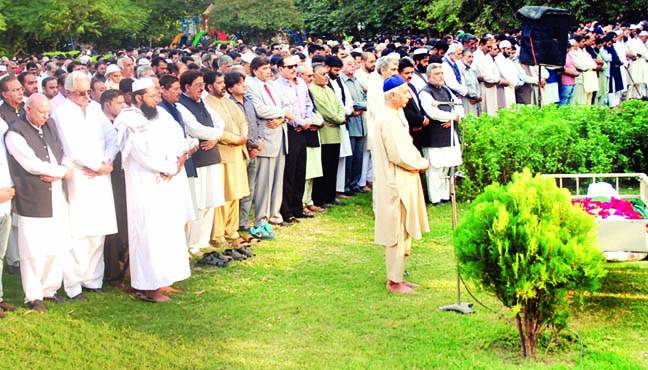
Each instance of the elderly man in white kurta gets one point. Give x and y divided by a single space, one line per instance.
153 155
440 141
509 75
488 75
38 167
398 197
90 142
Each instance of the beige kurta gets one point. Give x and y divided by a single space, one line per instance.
394 157
233 154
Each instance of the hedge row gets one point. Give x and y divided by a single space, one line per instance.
551 139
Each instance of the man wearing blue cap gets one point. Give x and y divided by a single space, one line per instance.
398 196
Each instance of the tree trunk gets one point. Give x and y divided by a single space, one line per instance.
527 324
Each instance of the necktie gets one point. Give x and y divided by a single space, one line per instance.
267 89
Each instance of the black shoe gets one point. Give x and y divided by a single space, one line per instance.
325 205
214 259
235 255
303 215
338 202
92 290
350 193
244 251
80 297
54 299
13 270
37 305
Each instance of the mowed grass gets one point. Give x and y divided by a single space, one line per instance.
315 298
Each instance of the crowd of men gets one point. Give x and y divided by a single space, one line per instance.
119 168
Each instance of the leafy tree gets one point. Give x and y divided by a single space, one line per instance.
34 25
527 244
253 19
163 23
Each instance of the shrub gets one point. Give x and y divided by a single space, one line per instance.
526 243
572 139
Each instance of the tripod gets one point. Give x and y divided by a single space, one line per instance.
459 307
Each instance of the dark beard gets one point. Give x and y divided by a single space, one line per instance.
149 112
421 68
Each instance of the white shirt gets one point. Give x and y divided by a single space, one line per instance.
5 177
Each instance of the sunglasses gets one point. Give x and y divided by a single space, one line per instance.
291 66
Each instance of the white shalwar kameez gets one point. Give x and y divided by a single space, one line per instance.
43 242
157 209
89 140
345 141
441 159
208 189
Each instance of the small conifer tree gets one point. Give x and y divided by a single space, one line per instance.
528 244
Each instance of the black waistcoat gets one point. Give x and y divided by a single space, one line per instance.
33 195
433 135
201 158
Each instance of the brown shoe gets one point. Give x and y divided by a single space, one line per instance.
37 305
2 314
6 306
342 196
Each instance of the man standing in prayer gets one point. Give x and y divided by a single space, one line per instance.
202 123
233 156
487 74
295 92
90 143
37 168
332 111
12 107
269 106
153 152
116 245
398 197
440 139
7 193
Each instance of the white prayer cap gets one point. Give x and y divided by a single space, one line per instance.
247 57
643 33
421 51
619 32
505 44
143 62
3 68
572 42
84 59
454 47
358 50
142 84
112 69
634 27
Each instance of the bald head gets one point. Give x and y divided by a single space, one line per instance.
37 109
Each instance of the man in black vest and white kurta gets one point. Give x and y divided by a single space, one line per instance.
202 123
440 139
38 169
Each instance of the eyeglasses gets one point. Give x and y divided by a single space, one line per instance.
291 66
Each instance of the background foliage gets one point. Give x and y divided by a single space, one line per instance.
41 25
573 139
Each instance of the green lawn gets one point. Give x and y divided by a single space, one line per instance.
315 298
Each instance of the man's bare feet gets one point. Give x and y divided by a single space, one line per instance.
400 288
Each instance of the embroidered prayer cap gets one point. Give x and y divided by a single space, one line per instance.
392 83
142 84
143 62
112 69
85 59
505 44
